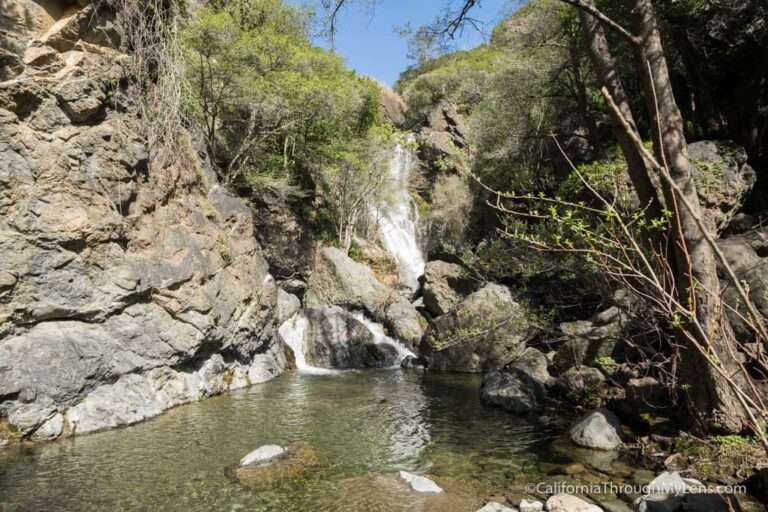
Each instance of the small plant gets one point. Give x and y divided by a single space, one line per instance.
606 362
731 440
209 213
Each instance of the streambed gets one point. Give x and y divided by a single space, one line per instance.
366 425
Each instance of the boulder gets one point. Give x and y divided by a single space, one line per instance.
338 280
531 506
520 387
569 503
445 285
262 454
420 483
580 379
297 462
599 430
443 138
723 179
485 332
710 502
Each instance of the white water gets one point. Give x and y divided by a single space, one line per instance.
397 221
293 331
381 338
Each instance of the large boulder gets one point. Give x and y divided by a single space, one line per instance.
445 285
121 289
599 430
483 333
338 280
331 337
443 140
522 386
570 503
723 179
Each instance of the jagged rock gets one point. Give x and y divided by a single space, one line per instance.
723 178
287 305
11 65
443 138
483 333
340 281
262 454
445 285
599 430
569 503
420 483
118 290
93 25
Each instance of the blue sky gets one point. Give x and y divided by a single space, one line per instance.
367 39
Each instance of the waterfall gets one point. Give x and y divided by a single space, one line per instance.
397 221
380 337
293 332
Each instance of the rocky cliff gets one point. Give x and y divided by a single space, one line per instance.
122 292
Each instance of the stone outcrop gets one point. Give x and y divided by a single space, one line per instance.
338 280
444 138
483 333
602 336
123 290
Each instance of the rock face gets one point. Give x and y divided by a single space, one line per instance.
444 137
599 430
334 338
445 285
723 179
338 280
123 291
588 340
483 333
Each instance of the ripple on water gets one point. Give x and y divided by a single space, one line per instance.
366 425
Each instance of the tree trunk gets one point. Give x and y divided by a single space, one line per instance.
712 396
608 76
582 102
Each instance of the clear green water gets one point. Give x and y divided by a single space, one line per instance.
367 425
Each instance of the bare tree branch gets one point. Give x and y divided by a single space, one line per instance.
589 7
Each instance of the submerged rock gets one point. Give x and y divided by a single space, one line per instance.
420 483
599 430
297 462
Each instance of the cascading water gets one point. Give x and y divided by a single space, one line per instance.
293 332
381 338
397 220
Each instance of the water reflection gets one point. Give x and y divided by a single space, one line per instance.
362 423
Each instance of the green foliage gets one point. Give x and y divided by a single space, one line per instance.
732 440
605 362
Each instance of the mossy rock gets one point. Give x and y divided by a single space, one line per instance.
299 462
